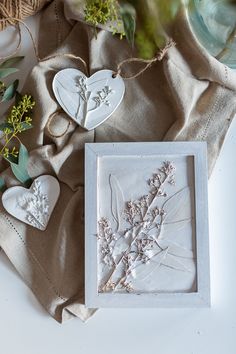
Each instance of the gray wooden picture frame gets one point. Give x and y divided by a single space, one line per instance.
199 298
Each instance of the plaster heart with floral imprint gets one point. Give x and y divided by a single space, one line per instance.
89 101
35 205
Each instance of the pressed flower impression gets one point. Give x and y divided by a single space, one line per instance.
146 234
89 101
140 239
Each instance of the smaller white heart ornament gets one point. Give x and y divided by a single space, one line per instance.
89 101
35 205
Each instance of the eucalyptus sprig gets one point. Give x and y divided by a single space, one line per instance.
103 12
18 121
142 22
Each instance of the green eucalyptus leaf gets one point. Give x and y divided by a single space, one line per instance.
3 126
10 91
26 126
20 169
9 62
128 16
2 185
7 71
23 156
21 174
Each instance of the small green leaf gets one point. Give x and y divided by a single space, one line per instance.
21 174
9 62
3 126
128 16
10 91
2 185
7 71
26 126
23 156
20 170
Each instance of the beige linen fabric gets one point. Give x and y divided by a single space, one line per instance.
188 96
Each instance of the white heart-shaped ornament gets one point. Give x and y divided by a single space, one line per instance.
35 205
89 101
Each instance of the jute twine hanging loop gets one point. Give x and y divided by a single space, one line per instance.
147 63
19 9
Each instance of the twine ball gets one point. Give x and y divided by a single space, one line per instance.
19 9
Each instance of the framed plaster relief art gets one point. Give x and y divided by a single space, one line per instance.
146 225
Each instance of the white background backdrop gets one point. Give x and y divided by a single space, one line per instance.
26 328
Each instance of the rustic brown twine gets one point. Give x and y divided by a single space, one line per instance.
159 57
67 55
18 9
49 122
17 22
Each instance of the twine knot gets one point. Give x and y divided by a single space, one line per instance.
160 55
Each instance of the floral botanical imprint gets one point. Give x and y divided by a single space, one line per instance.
139 243
101 97
36 206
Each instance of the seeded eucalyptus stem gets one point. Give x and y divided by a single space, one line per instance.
7 142
18 121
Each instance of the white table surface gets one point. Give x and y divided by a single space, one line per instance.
26 328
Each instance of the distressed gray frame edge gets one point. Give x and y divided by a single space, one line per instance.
91 162
202 227
200 298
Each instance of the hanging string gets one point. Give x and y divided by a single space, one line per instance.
18 44
148 63
49 122
17 24
67 55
